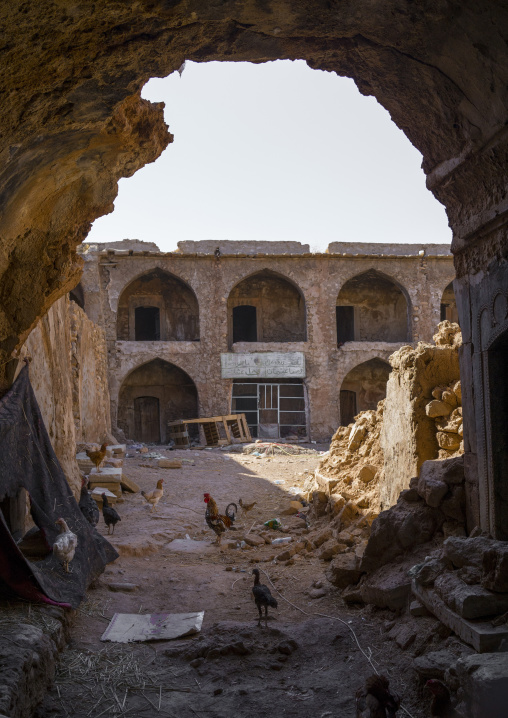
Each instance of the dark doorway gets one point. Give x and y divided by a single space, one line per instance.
147 324
147 419
77 295
347 407
245 323
498 387
345 324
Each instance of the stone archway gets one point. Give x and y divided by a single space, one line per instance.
157 306
362 388
266 307
372 307
152 395
73 123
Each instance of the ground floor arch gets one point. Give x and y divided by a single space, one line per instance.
362 388
151 396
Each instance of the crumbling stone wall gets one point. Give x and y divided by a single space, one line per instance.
68 372
410 435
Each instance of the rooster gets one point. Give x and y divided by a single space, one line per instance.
153 497
111 517
374 700
246 507
441 706
65 545
88 506
262 597
219 523
97 457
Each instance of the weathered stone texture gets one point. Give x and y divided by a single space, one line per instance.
68 373
409 435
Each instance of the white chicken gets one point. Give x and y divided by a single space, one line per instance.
65 545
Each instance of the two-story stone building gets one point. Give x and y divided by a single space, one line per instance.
298 341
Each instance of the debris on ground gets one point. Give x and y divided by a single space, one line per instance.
128 627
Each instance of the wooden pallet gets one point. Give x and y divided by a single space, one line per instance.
217 430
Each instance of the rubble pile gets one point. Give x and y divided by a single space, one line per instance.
446 410
352 469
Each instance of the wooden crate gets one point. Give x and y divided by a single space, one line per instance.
217 430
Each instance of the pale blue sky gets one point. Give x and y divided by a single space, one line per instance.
274 152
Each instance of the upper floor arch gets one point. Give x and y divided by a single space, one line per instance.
157 306
266 307
372 306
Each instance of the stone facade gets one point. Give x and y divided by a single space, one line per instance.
290 298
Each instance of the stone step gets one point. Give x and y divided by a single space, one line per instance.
480 634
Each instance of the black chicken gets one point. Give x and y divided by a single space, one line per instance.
111 517
374 700
262 597
88 506
441 706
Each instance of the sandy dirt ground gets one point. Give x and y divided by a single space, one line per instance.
306 662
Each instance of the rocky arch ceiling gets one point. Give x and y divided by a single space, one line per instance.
73 122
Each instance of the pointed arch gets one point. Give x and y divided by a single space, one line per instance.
372 306
266 306
362 388
153 394
448 308
157 306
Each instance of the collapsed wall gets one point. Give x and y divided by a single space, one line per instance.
68 373
423 391
372 461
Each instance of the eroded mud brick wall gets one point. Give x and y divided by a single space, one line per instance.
290 294
68 373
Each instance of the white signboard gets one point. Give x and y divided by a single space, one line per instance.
263 365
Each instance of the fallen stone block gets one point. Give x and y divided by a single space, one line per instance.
434 664
437 408
417 609
367 473
484 681
343 570
469 551
388 587
129 485
330 549
293 508
169 464
469 601
431 489
403 635
253 540
356 437
480 633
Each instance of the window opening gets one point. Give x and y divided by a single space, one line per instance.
147 324
345 324
245 323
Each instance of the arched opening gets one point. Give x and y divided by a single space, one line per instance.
362 388
157 307
498 394
266 307
372 308
77 295
449 305
153 395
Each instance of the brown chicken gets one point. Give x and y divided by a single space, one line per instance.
246 507
441 706
375 700
153 497
219 523
97 457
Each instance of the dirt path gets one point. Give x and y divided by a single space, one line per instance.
301 665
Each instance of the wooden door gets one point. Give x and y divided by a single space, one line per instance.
147 419
347 407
